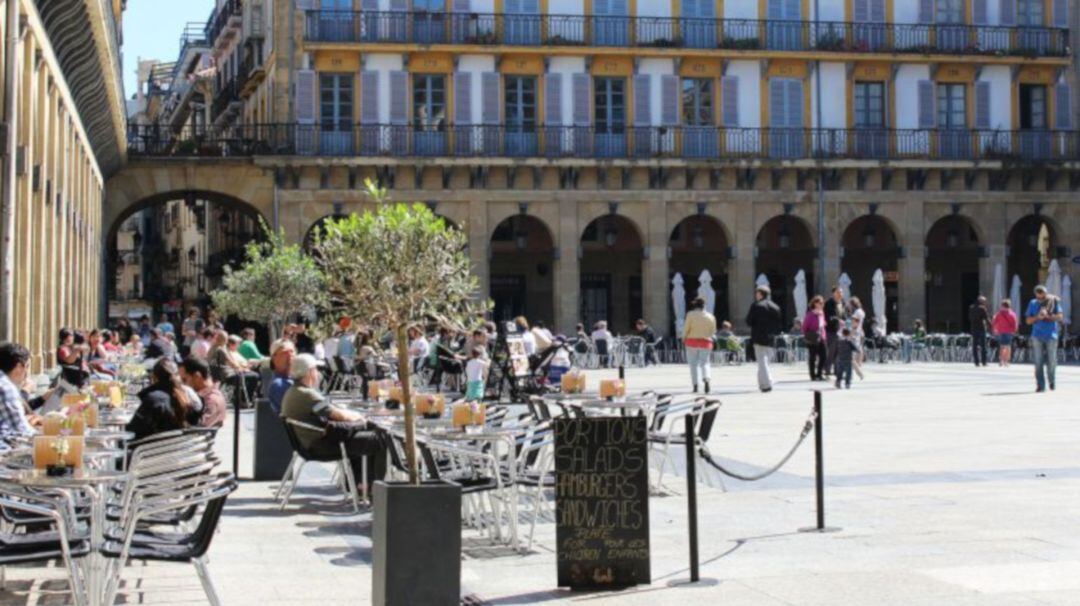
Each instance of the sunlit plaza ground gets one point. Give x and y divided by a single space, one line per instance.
950 484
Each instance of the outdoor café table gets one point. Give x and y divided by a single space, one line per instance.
94 482
493 436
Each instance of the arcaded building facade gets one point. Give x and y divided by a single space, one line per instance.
595 149
65 136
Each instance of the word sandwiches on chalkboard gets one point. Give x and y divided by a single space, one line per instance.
602 502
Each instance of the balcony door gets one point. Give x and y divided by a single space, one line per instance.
1034 123
1031 19
610 116
336 21
520 115
611 23
871 136
522 22
336 114
699 118
785 26
429 114
869 27
699 23
786 109
429 21
951 31
954 140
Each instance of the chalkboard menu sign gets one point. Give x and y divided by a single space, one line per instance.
602 502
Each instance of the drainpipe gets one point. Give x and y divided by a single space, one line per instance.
823 280
7 196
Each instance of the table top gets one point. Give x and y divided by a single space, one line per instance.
38 478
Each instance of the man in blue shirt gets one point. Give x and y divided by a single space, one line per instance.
282 352
1043 315
166 327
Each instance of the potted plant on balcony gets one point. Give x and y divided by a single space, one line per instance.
396 267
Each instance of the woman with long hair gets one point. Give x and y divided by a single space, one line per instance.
166 404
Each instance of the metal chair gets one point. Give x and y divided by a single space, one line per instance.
302 456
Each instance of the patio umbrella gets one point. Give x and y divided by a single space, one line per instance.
998 292
1066 299
762 281
845 285
800 295
1014 294
678 301
877 298
1053 278
705 290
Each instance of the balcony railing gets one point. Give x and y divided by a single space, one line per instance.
672 32
637 143
224 97
220 18
194 35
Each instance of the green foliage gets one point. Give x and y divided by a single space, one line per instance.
398 265
276 282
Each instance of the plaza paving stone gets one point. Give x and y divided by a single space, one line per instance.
951 485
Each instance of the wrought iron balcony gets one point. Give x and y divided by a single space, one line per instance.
222 18
673 32
631 143
194 35
224 98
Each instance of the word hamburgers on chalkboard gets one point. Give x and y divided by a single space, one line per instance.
602 502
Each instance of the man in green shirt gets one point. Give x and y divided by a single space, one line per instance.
248 348
304 403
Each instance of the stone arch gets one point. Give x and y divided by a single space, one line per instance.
1026 258
611 249
872 242
699 242
522 269
784 245
954 248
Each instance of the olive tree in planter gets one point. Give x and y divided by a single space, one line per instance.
392 268
276 282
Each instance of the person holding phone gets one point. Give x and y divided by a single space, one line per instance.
1043 316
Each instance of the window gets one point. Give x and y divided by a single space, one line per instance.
1030 13
869 104
952 105
697 102
431 6
429 102
1032 106
610 105
520 104
335 101
950 11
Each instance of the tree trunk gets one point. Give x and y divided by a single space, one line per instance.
410 412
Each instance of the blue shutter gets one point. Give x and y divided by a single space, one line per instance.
1062 106
582 105
601 7
461 6
305 5
690 9
642 100
399 97
729 92
706 9
553 100
982 105
1007 12
619 8
530 7
775 10
305 94
1061 13
369 5
512 7
369 97
489 82
463 98
777 118
927 111
795 104
979 14
926 11
399 5
669 94
877 11
860 11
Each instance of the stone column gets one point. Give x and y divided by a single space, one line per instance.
567 268
741 287
480 245
913 267
655 278
830 273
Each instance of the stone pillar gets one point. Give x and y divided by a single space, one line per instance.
567 268
995 254
655 278
480 245
913 267
830 273
741 287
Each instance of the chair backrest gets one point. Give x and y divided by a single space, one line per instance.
708 419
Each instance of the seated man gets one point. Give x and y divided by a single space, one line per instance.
281 357
14 420
195 373
305 404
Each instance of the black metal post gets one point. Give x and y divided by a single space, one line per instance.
691 494
622 372
819 462
236 439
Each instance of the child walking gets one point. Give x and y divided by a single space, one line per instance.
847 349
476 373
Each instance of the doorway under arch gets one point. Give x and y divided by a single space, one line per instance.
697 243
953 252
870 243
784 246
522 272
611 258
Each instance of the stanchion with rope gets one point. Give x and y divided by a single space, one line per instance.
819 470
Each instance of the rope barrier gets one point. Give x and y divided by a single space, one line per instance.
807 428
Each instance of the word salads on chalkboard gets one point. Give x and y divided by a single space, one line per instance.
602 502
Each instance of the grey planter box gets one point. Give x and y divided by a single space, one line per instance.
417 544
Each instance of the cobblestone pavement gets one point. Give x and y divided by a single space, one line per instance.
951 485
